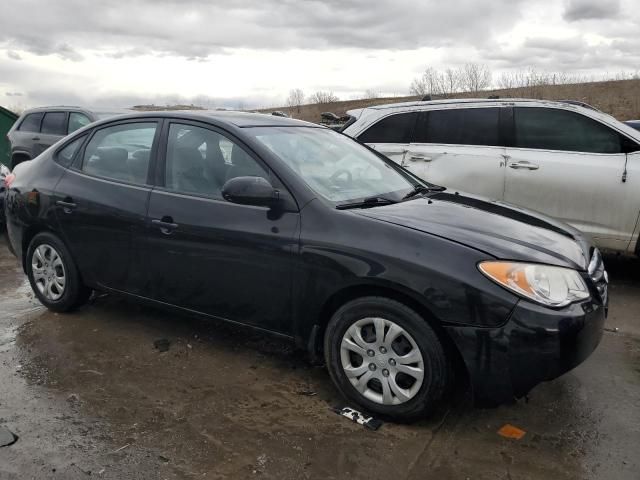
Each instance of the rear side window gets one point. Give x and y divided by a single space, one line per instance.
31 122
463 126
393 129
77 121
54 123
65 156
553 129
120 152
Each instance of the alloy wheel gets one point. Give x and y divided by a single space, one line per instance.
382 361
49 273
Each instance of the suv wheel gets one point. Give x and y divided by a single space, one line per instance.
53 274
386 358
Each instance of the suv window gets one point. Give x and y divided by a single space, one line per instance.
31 122
396 128
200 161
77 121
460 126
554 129
121 152
54 123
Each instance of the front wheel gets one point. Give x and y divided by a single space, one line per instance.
386 358
53 274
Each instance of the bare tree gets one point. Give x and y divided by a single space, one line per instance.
476 77
450 81
371 93
295 99
323 97
429 83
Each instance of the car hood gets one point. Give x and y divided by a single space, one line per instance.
501 230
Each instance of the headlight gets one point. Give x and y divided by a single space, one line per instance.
550 286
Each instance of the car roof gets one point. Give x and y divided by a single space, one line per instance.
239 119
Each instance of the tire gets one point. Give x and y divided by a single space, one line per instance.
48 261
405 397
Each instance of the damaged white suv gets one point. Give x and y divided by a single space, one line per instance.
574 163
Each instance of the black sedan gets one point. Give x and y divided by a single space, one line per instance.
297 230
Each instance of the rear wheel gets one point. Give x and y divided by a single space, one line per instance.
386 358
53 274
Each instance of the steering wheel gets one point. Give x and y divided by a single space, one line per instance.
334 178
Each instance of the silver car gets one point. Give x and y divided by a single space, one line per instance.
39 128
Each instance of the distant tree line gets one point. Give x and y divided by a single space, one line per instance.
475 77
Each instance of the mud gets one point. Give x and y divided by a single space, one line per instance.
89 394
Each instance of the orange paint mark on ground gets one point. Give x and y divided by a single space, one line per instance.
509 431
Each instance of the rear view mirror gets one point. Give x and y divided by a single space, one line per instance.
250 191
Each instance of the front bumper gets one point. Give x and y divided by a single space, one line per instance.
536 344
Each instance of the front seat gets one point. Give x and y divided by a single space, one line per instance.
188 168
242 165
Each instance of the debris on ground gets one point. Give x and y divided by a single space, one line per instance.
162 344
73 398
7 437
359 418
307 393
509 431
121 448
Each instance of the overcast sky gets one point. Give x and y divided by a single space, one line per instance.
248 53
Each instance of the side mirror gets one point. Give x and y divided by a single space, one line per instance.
250 191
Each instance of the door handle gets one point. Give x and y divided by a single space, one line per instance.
166 225
418 157
36 138
525 165
67 207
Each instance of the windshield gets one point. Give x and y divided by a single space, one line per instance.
334 166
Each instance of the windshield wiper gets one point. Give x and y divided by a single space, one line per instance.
418 189
366 203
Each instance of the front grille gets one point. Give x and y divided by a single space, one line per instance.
599 275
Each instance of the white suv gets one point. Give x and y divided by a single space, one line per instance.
573 163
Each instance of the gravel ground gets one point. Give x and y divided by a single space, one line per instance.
89 395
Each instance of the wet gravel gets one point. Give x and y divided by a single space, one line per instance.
90 394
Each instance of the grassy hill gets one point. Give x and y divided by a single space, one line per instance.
620 98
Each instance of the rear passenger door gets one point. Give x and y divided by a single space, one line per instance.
101 202
571 167
461 149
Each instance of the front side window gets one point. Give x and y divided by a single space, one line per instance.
460 126
200 161
77 121
333 165
396 128
31 122
554 129
54 123
120 152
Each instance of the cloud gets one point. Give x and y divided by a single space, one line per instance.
591 9
163 50
198 28
13 94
